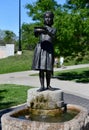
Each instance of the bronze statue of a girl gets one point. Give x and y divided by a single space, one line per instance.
44 53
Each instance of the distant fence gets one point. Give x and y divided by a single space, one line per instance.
6 51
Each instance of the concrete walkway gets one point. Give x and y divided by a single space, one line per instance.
24 78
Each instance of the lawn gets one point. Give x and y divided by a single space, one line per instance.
12 95
16 63
24 62
77 75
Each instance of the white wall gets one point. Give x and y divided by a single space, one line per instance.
7 50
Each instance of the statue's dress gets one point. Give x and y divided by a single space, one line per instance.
44 53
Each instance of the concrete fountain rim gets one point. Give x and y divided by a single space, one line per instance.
83 111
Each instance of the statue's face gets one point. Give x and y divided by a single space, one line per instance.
48 20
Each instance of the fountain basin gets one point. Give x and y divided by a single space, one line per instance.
79 122
41 108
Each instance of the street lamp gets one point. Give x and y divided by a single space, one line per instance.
19 48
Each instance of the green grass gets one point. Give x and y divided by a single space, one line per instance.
12 95
16 63
24 62
77 75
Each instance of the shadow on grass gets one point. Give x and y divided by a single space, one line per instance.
80 78
2 103
1 97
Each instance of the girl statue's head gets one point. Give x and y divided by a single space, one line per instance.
48 18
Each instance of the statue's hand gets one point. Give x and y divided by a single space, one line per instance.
39 28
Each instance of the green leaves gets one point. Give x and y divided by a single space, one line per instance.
9 36
71 21
37 9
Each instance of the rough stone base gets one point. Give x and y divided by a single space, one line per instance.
45 100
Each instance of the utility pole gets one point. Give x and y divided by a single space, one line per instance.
19 48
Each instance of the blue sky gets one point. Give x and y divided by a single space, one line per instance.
9 16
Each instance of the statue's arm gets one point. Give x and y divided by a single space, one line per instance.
39 30
51 31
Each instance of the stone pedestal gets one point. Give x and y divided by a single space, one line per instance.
45 100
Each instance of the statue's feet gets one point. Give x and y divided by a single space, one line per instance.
50 88
41 89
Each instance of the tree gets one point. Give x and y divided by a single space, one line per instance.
28 39
37 9
9 37
2 37
72 25
72 4
80 11
71 21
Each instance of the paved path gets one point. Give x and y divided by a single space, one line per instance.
24 78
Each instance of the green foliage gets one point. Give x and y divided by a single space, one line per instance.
72 30
37 9
71 21
72 4
9 37
28 39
